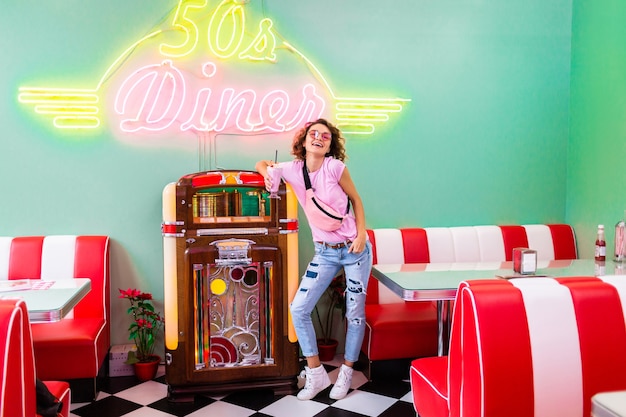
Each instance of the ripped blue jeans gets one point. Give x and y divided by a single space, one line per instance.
318 276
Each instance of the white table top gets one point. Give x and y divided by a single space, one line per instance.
609 404
439 281
48 301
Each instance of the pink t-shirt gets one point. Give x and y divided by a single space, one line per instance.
325 183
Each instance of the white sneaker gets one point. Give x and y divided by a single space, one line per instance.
317 380
342 385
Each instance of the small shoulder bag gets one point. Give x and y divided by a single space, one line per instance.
319 213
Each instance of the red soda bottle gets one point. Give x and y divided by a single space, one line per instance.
600 254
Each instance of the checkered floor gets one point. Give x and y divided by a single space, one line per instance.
125 396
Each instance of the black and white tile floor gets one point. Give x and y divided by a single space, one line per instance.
125 396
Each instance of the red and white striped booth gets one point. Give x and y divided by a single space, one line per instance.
406 330
17 365
527 347
74 348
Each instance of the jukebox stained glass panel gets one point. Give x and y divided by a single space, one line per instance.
233 313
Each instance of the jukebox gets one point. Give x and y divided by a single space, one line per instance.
230 267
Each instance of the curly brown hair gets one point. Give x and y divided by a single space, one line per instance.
337 149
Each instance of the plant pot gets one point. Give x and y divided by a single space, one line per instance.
327 349
145 371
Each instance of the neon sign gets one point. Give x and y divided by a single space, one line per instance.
215 69
162 92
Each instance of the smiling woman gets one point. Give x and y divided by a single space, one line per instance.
340 243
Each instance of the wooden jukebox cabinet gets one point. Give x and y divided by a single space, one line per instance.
230 264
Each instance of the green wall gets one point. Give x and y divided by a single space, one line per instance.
484 139
597 155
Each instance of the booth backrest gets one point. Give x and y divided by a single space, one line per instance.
18 396
76 347
463 244
58 257
17 362
537 347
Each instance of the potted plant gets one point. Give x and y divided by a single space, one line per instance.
145 326
334 298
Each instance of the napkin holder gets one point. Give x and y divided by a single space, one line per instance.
524 261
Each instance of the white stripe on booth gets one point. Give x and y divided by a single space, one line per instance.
390 251
5 254
464 266
488 266
466 245
491 243
540 239
439 266
552 325
57 257
389 246
389 268
440 244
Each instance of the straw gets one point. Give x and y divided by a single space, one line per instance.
276 156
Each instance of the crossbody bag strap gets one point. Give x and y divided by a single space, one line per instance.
305 174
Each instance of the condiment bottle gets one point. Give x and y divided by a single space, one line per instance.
620 240
600 254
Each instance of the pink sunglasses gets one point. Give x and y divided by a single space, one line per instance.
315 134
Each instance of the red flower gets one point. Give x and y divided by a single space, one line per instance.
129 293
146 323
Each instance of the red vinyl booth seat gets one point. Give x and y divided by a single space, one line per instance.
17 365
529 347
75 347
396 329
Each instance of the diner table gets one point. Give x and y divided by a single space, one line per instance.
47 301
439 281
609 404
